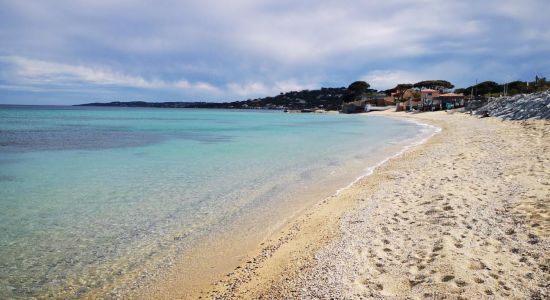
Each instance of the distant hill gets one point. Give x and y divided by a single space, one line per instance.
324 98
146 104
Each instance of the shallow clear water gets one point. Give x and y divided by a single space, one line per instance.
88 195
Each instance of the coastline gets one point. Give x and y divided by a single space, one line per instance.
370 170
192 274
321 255
290 251
211 258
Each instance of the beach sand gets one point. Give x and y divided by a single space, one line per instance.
464 215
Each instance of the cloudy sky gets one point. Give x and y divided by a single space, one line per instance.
67 52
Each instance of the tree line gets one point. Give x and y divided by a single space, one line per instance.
491 88
333 98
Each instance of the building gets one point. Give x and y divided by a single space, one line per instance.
428 100
427 96
409 99
449 100
353 107
374 99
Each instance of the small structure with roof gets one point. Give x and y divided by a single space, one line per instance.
449 100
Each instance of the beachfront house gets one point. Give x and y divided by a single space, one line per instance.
427 96
448 101
410 99
353 107
427 100
376 99
373 99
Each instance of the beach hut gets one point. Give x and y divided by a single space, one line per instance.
449 100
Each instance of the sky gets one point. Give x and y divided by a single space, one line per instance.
70 52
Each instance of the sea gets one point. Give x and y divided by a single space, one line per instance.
95 198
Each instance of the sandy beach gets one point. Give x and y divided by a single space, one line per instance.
275 150
464 215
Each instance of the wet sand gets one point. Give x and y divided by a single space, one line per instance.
464 215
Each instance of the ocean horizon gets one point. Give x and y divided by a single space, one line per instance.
98 198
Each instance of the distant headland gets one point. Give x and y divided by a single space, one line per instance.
336 98
146 104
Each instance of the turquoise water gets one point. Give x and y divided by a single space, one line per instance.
88 195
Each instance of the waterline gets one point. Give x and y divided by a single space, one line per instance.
95 199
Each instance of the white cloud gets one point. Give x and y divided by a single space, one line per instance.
293 85
287 32
39 72
39 75
184 84
247 89
257 88
386 79
220 49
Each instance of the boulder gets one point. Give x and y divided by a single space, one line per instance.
518 107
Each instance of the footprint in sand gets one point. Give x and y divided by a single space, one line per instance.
460 283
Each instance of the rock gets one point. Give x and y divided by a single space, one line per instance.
519 107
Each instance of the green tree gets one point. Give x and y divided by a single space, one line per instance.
359 87
440 85
518 87
356 90
400 89
487 87
461 91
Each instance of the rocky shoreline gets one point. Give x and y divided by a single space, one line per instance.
534 106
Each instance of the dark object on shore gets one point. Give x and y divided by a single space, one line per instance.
520 107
